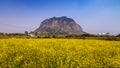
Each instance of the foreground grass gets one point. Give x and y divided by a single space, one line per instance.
59 53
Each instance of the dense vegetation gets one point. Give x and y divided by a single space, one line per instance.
12 35
84 36
59 53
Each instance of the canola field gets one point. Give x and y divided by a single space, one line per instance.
59 53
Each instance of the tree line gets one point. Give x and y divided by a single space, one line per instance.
36 35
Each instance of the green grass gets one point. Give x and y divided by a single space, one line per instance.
59 53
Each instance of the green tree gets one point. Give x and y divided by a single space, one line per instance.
26 32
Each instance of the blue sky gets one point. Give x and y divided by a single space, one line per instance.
93 16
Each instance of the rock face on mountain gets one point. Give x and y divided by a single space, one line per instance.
59 25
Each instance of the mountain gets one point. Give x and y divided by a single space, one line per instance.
59 25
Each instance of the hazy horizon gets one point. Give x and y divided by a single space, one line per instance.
94 16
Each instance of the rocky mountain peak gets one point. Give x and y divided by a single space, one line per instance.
59 25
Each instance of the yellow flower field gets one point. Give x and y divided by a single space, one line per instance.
59 53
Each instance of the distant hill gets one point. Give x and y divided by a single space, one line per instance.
59 25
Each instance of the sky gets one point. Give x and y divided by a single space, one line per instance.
94 16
